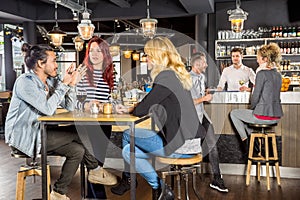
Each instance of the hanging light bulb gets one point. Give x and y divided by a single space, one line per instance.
135 55
86 28
127 53
78 43
148 24
56 34
237 17
114 48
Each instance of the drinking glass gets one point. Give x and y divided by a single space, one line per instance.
241 82
81 96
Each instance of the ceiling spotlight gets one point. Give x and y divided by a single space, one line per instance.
75 16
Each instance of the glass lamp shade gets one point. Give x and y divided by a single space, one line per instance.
127 54
86 28
114 49
78 43
237 25
135 55
56 36
148 27
237 18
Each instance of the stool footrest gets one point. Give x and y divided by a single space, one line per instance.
263 161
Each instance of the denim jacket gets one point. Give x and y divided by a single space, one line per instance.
30 100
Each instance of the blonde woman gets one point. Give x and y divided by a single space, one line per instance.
172 107
265 101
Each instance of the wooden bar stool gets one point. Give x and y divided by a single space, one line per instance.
31 168
182 167
263 137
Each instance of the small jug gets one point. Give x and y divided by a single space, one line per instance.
94 108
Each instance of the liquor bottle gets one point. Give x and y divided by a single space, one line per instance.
288 50
284 65
289 32
277 32
298 31
281 66
284 48
294 32
281 47
288 65
296 47
280 31
285 32
273 32
292 48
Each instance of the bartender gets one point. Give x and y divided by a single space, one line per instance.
237 76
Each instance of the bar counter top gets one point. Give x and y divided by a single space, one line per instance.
244 97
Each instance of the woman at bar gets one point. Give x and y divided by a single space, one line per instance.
173 110
265 100
98 83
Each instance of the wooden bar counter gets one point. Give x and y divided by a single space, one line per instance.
288 129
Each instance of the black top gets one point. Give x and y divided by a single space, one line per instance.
173 111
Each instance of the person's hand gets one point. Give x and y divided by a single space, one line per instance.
245 88
68 74
208 97
121 109
219 89
78 74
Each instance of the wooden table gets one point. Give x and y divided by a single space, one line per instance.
79 118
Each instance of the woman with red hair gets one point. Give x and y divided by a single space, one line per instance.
98 82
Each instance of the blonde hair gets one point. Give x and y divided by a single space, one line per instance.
164 56
272 53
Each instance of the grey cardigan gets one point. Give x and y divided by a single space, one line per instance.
265 100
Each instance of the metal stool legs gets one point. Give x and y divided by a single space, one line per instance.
184 172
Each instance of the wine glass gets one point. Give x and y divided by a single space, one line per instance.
114 96
242 82
81 96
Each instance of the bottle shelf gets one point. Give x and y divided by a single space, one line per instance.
223 47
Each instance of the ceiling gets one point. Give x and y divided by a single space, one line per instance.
171 14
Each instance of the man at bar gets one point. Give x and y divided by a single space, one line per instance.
209 146
237 75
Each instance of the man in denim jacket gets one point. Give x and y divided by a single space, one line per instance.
38 93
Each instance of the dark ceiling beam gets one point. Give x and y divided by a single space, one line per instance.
71 5
121 3
198 6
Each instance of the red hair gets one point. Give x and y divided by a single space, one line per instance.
107 66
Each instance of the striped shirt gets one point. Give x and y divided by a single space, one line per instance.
99 92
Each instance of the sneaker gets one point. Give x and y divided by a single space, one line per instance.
219 185
101 176
122 187
56 196
163 193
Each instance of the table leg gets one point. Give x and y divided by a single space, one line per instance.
44 161
132 163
